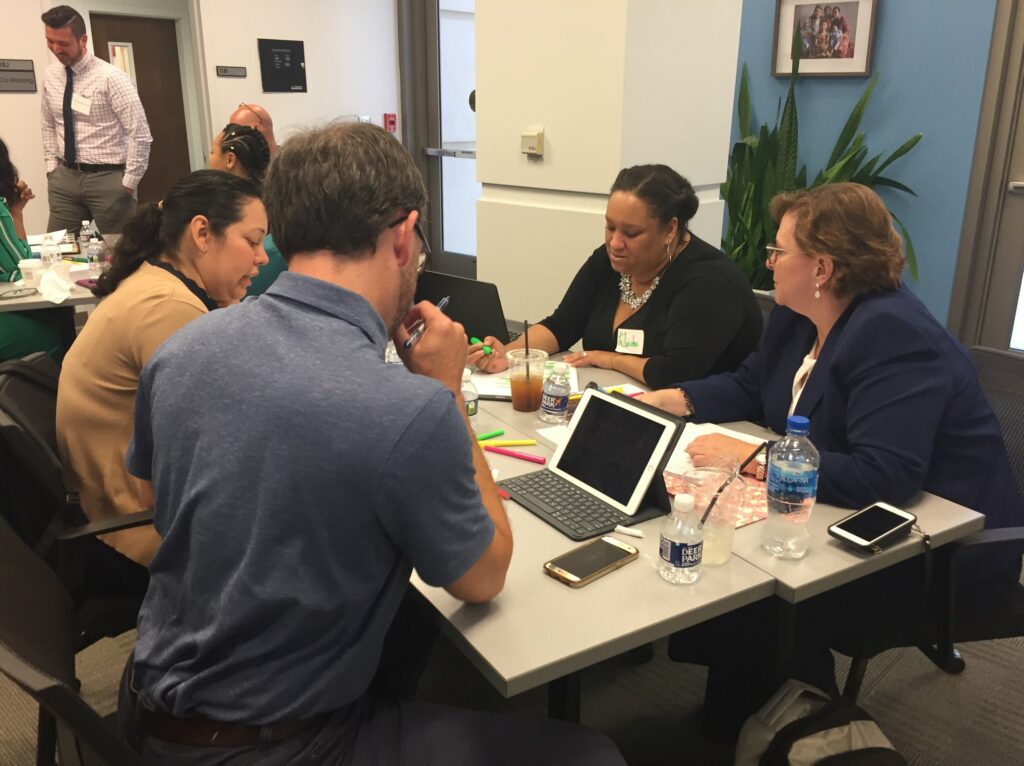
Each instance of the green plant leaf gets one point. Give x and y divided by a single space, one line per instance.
883 181
743 104
852 123
909 144
908 245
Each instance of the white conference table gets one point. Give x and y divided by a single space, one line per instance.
79 296
540 631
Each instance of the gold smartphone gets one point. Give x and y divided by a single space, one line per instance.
591 560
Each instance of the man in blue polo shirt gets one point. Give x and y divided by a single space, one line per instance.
297 479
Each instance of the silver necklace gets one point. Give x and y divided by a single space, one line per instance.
626 290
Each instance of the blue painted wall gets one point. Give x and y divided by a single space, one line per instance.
932 56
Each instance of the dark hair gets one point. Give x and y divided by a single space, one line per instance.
8 176
338 187
158 227
666 193
849 223
249 147
61 16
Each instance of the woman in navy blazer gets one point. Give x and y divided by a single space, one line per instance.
893 399
895 407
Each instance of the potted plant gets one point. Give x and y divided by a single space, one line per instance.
764 162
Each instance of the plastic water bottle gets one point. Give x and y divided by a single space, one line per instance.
470 396
792 488
50 252
94 254
682 543
83 239
554 401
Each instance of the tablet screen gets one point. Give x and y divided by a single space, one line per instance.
609 448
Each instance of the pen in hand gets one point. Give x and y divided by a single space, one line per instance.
417 329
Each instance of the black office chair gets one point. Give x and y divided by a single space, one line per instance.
962 613
40 512
38 639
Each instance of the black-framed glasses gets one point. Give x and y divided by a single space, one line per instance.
774 253
424 259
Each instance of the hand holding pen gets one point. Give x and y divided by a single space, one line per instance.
416 331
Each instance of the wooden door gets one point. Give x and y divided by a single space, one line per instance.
158 78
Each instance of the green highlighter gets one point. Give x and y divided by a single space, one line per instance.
487 349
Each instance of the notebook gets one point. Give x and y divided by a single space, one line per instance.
607 472
474 304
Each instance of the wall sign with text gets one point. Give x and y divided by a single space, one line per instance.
283 66
17 76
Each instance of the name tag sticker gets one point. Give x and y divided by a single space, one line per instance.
630 342
81 104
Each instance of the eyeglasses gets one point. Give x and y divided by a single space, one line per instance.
255 114
424 259
774 253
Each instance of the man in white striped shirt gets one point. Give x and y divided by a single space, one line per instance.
95 136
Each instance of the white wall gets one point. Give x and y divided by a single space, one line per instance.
351 67
639 81
351 51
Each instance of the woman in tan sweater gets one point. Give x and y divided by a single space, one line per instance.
196 250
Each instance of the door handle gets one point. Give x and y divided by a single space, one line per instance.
444 151
1015 187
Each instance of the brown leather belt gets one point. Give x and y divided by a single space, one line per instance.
201 732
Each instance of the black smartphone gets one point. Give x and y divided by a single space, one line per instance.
591 560
874 527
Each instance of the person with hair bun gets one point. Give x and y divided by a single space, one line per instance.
196 250
242 151
655 301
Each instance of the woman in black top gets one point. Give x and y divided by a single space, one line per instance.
655 302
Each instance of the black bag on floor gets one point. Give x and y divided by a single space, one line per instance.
802 726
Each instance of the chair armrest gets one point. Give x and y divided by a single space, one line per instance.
116 524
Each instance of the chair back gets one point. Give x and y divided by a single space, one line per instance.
1002 379
38 638
28 445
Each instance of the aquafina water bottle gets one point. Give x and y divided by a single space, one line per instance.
792 488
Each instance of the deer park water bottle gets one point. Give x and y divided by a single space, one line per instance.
554 401
50 252
682 543
792 488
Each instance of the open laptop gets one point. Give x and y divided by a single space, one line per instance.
474 304
608 472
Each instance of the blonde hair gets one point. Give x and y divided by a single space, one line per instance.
849 223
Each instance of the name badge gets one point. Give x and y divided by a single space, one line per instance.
630 342
81 104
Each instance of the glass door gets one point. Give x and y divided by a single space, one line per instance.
438 68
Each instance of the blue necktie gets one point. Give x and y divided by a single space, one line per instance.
69 120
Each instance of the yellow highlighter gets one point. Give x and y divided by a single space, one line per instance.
511 443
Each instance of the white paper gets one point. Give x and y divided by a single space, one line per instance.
54 286
81 104
680 461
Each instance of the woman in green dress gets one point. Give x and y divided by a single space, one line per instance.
21 332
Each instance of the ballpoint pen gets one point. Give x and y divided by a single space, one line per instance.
417 329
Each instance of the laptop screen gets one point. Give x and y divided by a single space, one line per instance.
610 448
474 304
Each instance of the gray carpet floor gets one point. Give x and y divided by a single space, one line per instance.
651 710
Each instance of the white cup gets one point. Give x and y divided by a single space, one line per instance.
31 271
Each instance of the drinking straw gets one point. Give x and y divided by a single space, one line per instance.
730 480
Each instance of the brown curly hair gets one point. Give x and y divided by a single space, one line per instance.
849 223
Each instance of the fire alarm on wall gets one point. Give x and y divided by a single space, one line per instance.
390 122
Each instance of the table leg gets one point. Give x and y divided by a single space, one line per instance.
564 698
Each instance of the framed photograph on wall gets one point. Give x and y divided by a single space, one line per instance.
835 38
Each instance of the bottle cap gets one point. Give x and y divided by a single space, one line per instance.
683 503
561 368
798 425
